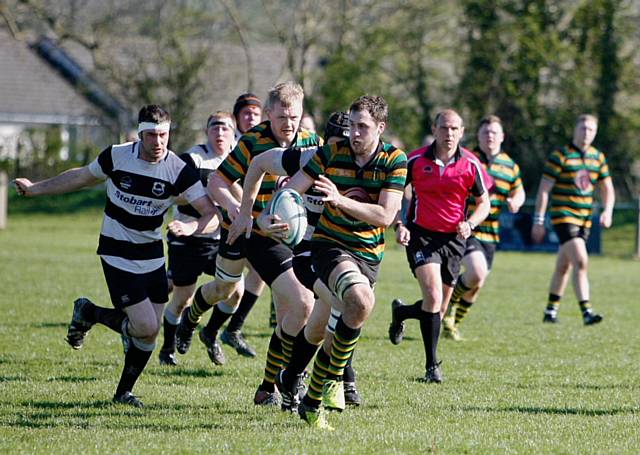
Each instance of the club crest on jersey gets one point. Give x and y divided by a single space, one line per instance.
126 183
158 188
428 169
357 194
583 181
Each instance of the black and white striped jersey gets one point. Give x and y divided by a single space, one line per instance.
138 195
204 160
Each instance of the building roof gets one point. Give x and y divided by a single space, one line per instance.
33 92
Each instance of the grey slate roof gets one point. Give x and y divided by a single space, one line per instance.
32 92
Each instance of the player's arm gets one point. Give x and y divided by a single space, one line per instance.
67 181
267 162
269 224
400 221
222 193
516 199
380 214
483 205
208 222
542 202
608 196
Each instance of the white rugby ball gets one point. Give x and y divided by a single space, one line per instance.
289 206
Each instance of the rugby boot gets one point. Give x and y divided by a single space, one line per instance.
433 374
590 318
351 394
314 417
396 328
237 341
128 398
184 336
167 358
79 326
213 347
266 398
333 395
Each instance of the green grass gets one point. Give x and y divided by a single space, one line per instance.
514 385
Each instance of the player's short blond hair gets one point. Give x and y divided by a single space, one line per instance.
586 118
285 93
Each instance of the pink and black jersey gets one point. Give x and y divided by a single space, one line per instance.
440 190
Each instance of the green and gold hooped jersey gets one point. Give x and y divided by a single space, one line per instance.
575 175
257 140
506 177
386 170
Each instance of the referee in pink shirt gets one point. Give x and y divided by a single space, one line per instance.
441 178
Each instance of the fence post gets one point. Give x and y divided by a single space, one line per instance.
637 254
4 193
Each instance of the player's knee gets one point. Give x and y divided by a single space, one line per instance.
144 328
359 299
581 262
147 344
349 283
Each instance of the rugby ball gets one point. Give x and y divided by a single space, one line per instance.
289 206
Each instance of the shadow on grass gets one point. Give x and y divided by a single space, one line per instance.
13 378
595 387
185 372
552 410
71 379
47 325
52 414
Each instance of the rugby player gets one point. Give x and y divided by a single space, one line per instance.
192 255
247 111
362 180
481 246
569 179
279 161
272 260
143 180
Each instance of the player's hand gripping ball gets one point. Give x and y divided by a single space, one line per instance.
288 205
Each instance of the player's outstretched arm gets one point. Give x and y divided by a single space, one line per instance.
268 162
67 181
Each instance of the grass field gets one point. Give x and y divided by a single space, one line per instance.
514 385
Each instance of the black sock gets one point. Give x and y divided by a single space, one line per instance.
246 304
553 303
192 315
134 362
303 352
218 317
430 329
169 343
585 307
109 317
409 311
349 374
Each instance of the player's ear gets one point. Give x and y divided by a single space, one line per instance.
381 127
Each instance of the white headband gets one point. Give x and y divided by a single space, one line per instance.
157 127
221 121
